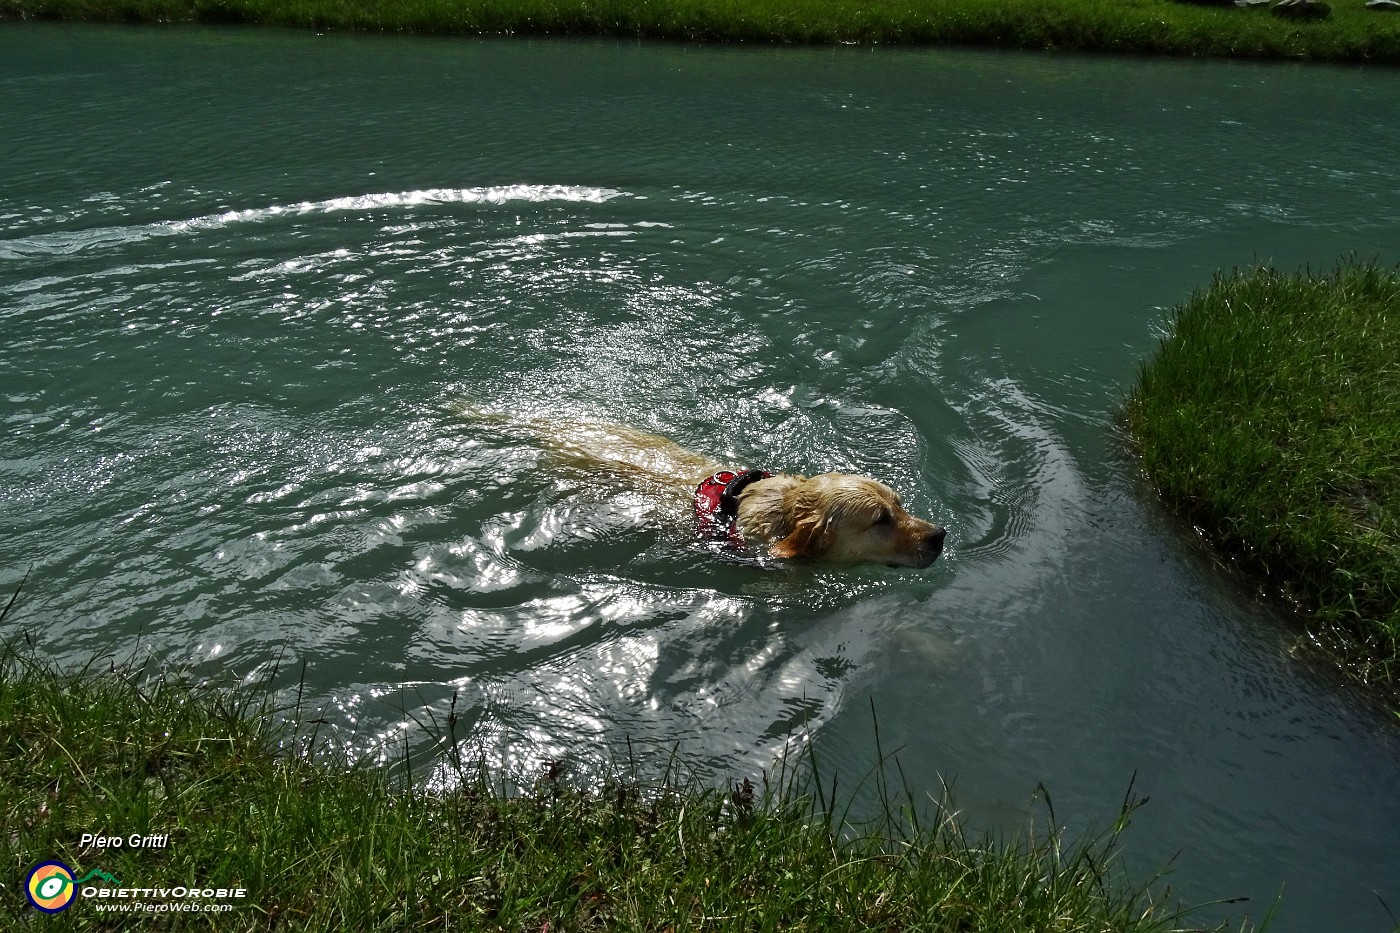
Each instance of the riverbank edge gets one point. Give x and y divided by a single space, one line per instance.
1351 34
210 788
1269 420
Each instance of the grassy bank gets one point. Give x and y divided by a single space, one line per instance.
1352 33
316 845
1270 419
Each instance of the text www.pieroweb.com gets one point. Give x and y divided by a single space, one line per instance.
167 900
159 907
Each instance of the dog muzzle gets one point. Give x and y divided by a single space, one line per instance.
717 504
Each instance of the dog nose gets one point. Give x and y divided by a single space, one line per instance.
931 545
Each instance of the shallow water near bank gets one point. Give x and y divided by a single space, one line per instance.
247 278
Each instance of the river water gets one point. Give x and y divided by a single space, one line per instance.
248 279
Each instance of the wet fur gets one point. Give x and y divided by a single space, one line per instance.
833 516
836 517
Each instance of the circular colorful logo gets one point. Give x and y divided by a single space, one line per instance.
50 887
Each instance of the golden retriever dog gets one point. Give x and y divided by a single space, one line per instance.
834 517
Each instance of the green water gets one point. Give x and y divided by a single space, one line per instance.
246 277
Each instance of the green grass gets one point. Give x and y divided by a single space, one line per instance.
320 845
1270 419
1352 34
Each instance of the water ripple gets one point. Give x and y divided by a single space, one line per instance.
230 438
72 242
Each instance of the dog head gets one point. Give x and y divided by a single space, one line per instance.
838 517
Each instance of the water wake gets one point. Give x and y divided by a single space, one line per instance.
71 242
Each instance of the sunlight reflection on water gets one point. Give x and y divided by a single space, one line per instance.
234 378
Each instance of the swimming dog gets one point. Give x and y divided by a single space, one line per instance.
837 517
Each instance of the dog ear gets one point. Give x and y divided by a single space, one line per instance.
811 538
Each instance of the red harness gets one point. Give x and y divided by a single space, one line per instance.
717 504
